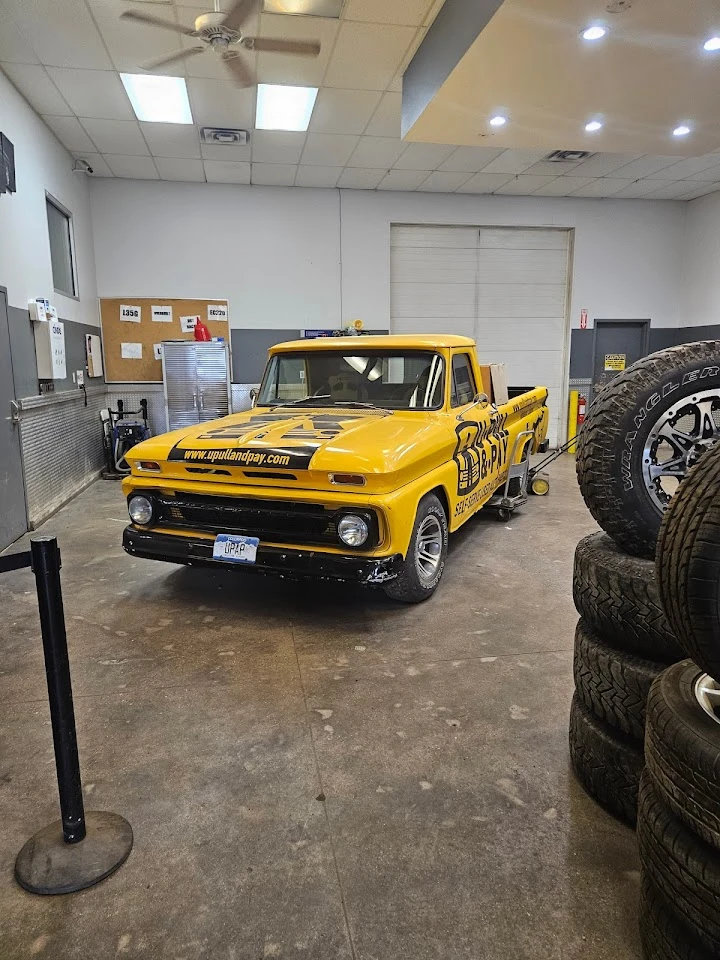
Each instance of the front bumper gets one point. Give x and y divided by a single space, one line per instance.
277 561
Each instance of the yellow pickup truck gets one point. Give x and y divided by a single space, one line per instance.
360 456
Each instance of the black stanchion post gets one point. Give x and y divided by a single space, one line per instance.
80 849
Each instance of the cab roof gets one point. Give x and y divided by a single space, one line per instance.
420 341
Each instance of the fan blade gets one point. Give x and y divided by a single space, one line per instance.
238 14
304 48
239 69
157 22
172 57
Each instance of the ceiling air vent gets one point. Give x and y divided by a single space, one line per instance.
224 136
568 156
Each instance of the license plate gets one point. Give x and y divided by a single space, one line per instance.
235 549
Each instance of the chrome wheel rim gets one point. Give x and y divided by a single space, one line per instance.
707 694
676 442
428 549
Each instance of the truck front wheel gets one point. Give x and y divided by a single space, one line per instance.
423 566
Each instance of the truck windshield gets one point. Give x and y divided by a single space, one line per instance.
395 380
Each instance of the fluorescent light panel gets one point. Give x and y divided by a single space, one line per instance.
158 99
284 108
307 8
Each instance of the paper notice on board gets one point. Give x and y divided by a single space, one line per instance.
157 350
187 324
161 314
131 313
217 311
131 351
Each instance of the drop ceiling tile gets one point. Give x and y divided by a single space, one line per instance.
343 111
443 181
355 178
550 168
403 179
385 121
14 48
122 137
433 12
514 161
701 190
70 133
225 152
328 149
409 12
563 186
712 175
131 44
376 152
395 85
367 55
273 174
684 169
277 146
644 167
180 169
219 103
602 187
602 164
179 140
135 168
93 93
641 188
287 68
423 156
226 171
484 183
63 34
470 159
38 89
523 185
96 161
676 191
317 176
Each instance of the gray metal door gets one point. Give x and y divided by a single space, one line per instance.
617 344
213 380
13 510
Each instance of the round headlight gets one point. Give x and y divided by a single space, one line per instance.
353 530
140 510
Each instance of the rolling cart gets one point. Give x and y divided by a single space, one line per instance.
523 479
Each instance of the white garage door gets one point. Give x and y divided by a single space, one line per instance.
505 286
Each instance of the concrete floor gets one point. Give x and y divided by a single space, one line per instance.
216 711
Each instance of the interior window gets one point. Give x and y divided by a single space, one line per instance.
463 382
61 249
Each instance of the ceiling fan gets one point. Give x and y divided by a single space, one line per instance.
223 33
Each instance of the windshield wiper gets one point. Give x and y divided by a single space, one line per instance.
295 403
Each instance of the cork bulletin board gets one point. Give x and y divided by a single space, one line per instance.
133 326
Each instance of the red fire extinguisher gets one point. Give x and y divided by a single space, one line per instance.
582 409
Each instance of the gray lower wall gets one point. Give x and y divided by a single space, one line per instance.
22 345
581 344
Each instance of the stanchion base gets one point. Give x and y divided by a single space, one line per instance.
48 865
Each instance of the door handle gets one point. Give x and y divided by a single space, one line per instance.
195 401
202 401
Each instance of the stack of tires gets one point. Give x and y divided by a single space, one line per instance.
643 434
679 805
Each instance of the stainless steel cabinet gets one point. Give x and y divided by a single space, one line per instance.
196 378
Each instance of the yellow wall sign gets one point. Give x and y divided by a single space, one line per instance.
615 361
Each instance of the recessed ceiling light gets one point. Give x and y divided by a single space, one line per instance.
158 99
682 131
498 121
712 44
593 126
284 108
594 32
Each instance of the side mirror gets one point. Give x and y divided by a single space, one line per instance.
253 396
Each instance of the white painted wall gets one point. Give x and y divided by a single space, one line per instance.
42 164
701 275
627 256
273 252
291 257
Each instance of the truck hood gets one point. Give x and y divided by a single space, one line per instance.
388 448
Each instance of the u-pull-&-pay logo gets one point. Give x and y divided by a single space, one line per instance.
480 451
